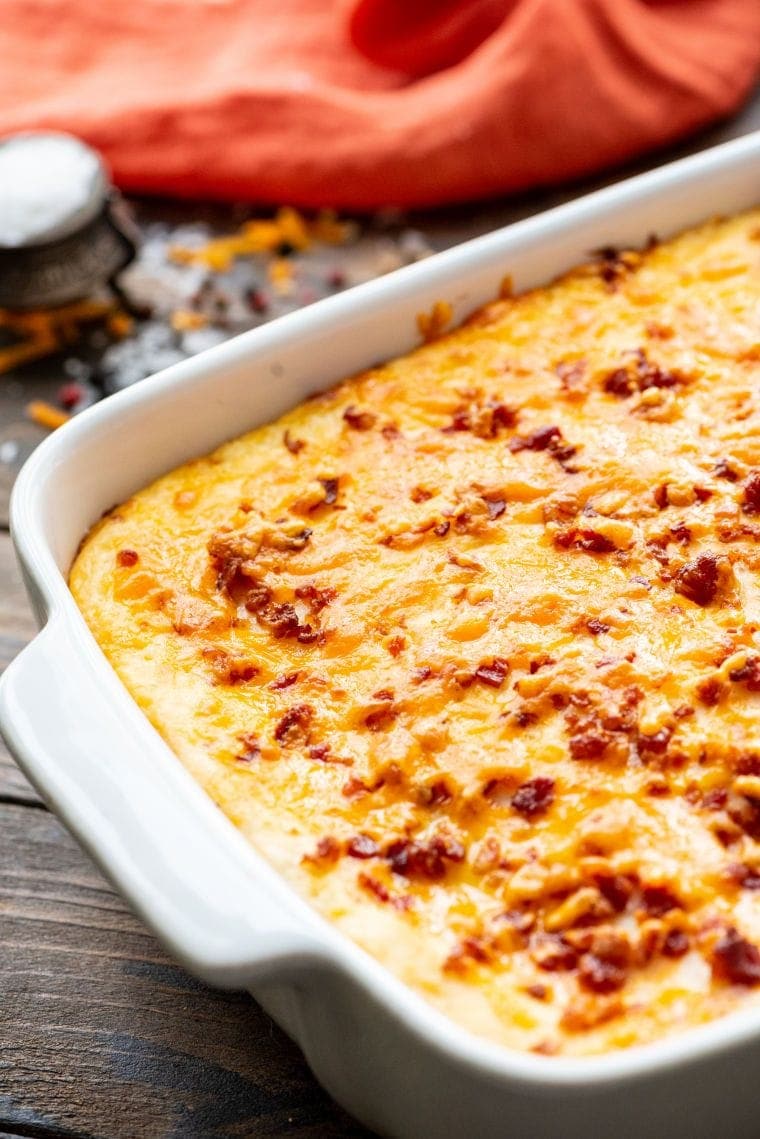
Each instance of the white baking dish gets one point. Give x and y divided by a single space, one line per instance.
393 1061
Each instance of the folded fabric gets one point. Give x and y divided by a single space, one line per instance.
363 103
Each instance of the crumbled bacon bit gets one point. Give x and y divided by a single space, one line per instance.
590 745
600 975
358 419
570 373
542 439
493 673
442 529
382 893
328 850
751 494
698 579
381 717
595 626
614 264
715 800
294 728
127 558
396 645
330 487
655 744
251 748
437 794
745 876
353 788
748 674
534 797
587 540
619 383
293 445
470 950
362 846
284 681
228 669
495 507
486 420
710 691
538 992
424 860
552 953
676 943
681 533
724 470
316 598
639 374
736 960
419 494
615 889
659 900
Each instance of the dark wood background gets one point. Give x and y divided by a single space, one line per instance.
101 1034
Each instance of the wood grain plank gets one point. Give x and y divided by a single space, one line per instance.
16 628
101 1035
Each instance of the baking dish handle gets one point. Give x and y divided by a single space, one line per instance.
104 770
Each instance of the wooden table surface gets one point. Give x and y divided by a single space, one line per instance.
101 1035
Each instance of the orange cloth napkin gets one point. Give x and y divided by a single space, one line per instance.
360 103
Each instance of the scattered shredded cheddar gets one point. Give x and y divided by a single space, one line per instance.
44 414
265 235
184 320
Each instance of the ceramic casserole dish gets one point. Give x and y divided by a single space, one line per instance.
390 1059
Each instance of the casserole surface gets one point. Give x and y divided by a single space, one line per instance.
466 647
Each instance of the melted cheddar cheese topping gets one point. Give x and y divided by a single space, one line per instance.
469 647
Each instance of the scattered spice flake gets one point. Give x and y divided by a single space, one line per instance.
127 558
359 420
295 446
294 728
736 960
698 579
433 324
534 797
